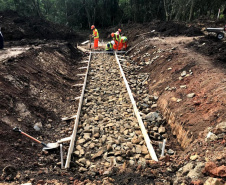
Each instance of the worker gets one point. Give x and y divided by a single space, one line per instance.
117 38
119 32
122 43
109 46
1 40
95 36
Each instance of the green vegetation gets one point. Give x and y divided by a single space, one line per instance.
83 13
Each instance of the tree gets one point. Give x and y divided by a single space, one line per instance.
84 13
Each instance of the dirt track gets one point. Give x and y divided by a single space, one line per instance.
37 87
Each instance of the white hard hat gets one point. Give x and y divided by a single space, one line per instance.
112 42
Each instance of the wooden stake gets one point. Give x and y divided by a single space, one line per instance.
68 118
77 85
74 133
144 132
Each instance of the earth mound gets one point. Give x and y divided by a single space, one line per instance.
17 27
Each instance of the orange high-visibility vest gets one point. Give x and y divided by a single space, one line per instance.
95 34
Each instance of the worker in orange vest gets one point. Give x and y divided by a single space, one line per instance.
117 38
122 43
95 36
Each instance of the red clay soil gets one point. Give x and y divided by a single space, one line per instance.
36 86
207 108
204 56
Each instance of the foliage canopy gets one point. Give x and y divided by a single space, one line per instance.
104 13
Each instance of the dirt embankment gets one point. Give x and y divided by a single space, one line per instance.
203 60
188 75
25 29
164 60
36 89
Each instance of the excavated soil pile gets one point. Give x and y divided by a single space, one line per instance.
210 46
174 29
135 31
17 27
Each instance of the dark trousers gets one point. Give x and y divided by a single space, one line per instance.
1 42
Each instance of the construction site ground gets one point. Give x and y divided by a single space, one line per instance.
173 69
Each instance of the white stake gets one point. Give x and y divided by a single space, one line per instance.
74 133
61 156
163 147
82 68
81 74
139 119
77 85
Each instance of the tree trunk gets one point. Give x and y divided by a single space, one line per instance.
87 13
166 12
191 10
66 14
36 7
94 13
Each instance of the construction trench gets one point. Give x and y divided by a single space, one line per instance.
115 131
106 128
109 130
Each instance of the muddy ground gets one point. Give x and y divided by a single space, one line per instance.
38 70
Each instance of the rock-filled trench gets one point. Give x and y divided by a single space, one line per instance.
109 134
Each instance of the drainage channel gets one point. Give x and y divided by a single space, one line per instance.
108 129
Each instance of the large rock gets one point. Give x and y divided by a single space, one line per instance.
152 116
87 136
82 160
82 169
196 173
162 130
220 128
190 95
135 140
144 150
187 168
81 141
142 162
138 149
212 169
98 154
95 130
154 106
183 74
211 137
92 145
170 152
213 181
155 129
38 126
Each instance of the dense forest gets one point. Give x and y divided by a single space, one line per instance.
83 13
